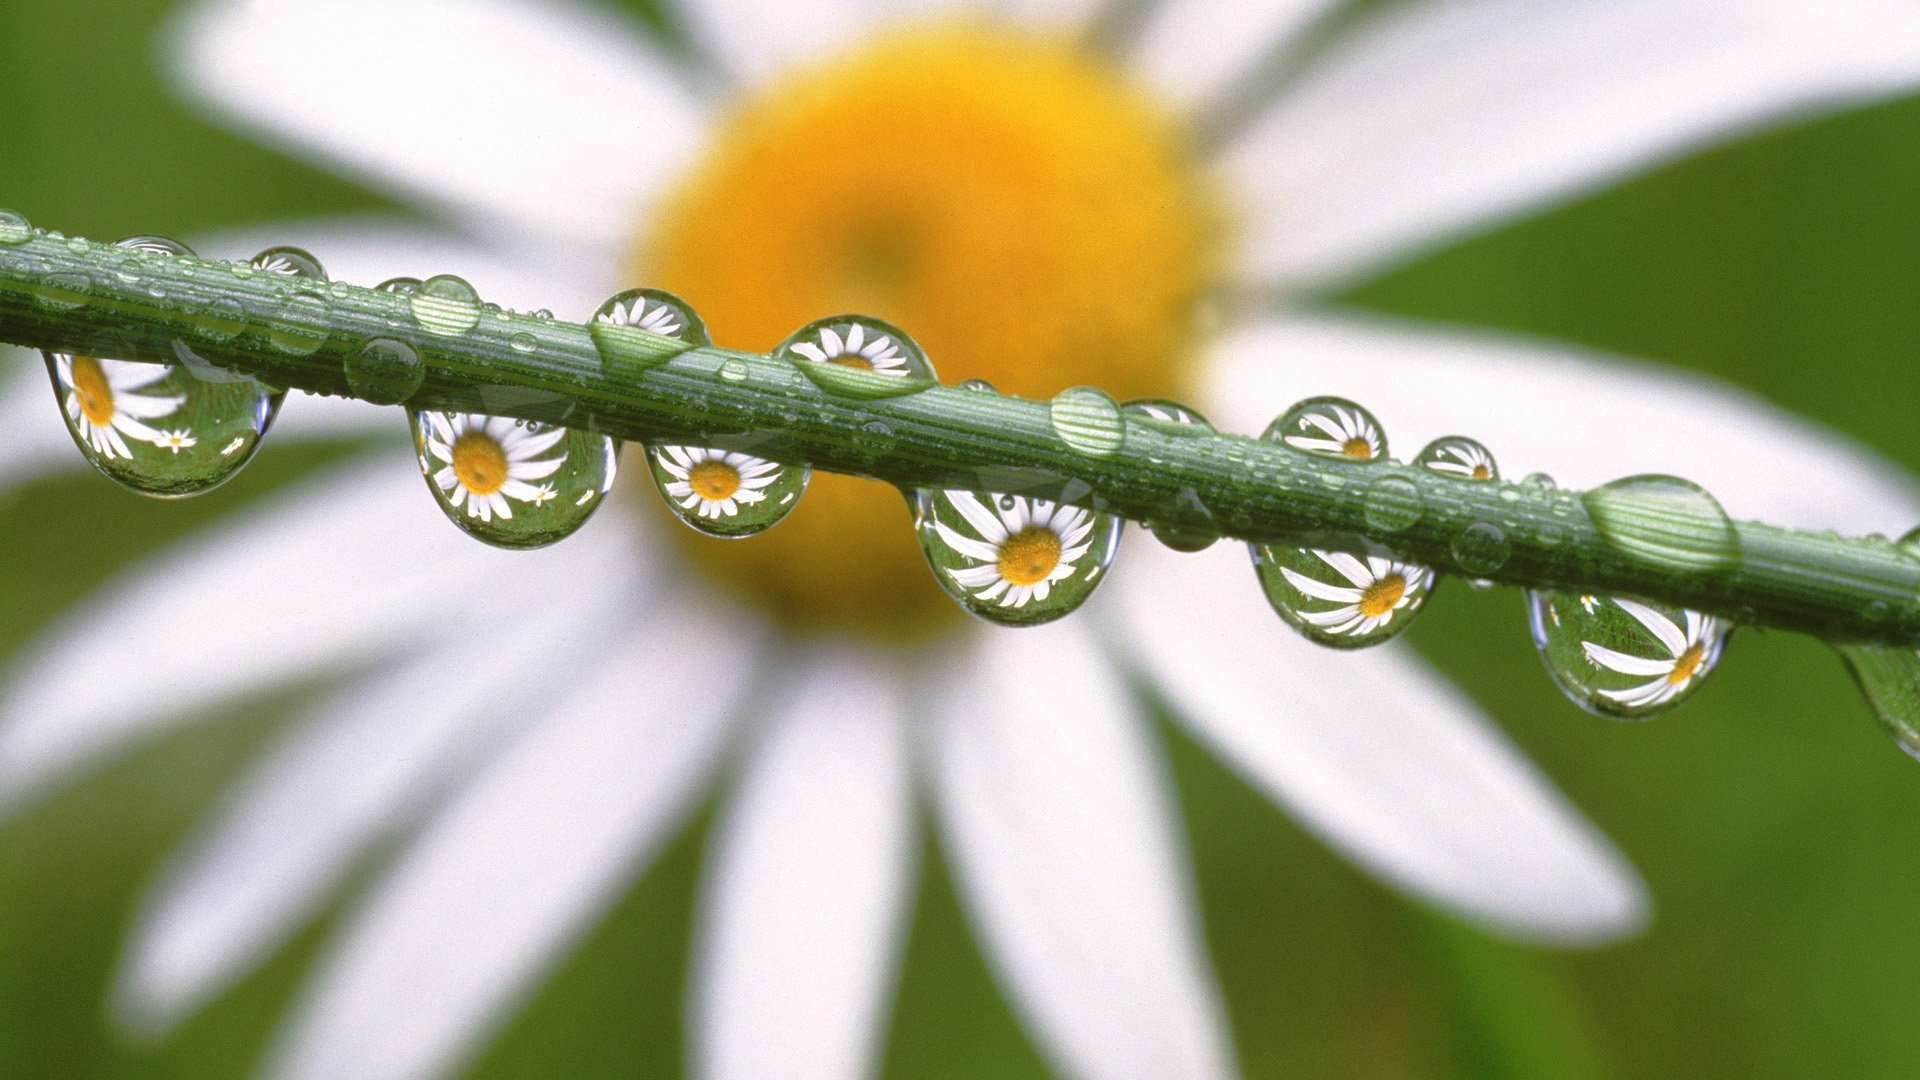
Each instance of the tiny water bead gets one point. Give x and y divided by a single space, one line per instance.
1340 599
1664 520
385 371
164 430
1179 537
14 229
512 483
289 262
1623 658
1087 420
1394 504
1013 559
642 328
444 305
1331 427
1481 548
858 357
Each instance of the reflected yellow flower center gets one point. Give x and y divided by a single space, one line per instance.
1028 556
479 462
853 360
1357 448
91 390
1014 204
1481 472
1382 596
1688 663
713 480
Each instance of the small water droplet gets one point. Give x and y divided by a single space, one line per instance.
980 385
1341 599
643 328
1481 548
445 305
1330 427
1014 560
523 342
14 229
386 371
725 493
221 319
1189 536
734 370
63 291
1087 420
289 262
856 356
1889 677
513 485
402 286
298 325
1540 480
1393 504
1623 658
1457 455
1664 520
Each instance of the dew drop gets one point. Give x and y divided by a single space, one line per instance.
512 483
1340 599
63 291
1331 427
161 429
1481 548
221 319
523 342
1182 536
1623 658
979 385
289 262
401 286
1889 677
1087 420
386 371
14 229
1393 504
1459 456
855 356
1014 560
298 325
1664 520
643 328
445 305
734 370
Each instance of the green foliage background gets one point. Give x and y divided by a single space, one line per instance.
1774 823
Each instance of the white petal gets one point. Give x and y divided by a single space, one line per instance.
807 884
1192 49
1057 817
550 120
1438 118
338 571
521 861
1584 417
37 439
1374 752
754 40
363 768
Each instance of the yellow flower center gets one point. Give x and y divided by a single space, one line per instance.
1028 556
1688 663
479 463
713 480
1357 448
1382 596
91 390
1012 203
1481 472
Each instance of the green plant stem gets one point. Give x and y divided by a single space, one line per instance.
69 296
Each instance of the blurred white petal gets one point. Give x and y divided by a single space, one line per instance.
1584 417
555 120
1060 826
1193 49
364 767
1436 118
1060 17
1373 751
756 40
523 859
807 883
37 439
339 571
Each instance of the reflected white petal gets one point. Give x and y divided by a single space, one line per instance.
807 883
1374 752
521 861
1058 820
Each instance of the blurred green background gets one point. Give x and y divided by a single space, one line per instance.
1771 818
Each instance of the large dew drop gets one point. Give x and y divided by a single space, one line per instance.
512 483
1012 559
858 357
1664 520
1624 658
644 328
1889 676
166 430
725 493
1330 427
1178 536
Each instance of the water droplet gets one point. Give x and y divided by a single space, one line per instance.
1889 676
1087 420
1457 455
1340 599
221 319
63 291
298 324
980 385
1481 548
1664 520
1013 559
1623 658
402 286
523 342
445 305
1540 480
734 370
1394 504
14 229
725 493
513 484
385 371
1182 536
643 328
858 357
289 262
1331 427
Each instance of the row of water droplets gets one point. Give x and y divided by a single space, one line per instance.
1014 559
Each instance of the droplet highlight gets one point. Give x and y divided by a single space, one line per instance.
1014 560
1621 658
512 483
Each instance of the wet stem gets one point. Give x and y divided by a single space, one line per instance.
70 296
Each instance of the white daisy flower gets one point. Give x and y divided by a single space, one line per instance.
1342 431
1025 546
659 318
716 483
1379 588
850 346
481 462
1691 654
1463 459
522 795
100 398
